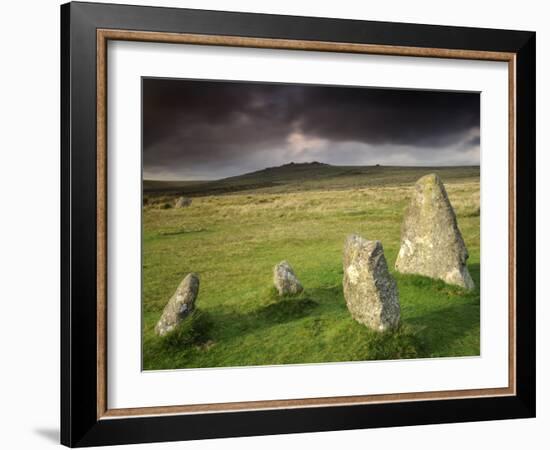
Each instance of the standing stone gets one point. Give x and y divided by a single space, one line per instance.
285 279
369 289
182 202
431 243
179 306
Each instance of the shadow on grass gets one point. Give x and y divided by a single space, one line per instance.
194 329
330 293
274 312
433 286
405 342
444 327
181 231
285 310
474 270
452 318
204 330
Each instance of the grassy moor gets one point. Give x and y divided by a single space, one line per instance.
235 230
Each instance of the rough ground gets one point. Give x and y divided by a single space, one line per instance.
233 241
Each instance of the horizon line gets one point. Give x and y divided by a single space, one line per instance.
311 162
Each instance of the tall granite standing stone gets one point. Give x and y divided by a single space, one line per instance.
431 243
369 289
180 305
285 279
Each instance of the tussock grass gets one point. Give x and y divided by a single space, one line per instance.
193 330
404 343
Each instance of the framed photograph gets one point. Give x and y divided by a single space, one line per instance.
277 224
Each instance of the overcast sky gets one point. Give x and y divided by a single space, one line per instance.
196 130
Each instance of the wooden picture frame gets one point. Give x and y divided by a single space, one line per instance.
86 418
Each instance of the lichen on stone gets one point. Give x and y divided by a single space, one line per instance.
285 280
180 305
370 291
431 242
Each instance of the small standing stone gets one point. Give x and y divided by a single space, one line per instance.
431 243
183 202
369 289
285 279
180 305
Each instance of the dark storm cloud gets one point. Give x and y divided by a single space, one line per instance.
205 129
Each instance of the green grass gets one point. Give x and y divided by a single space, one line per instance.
233 241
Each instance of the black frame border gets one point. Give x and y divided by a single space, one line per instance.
79 423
